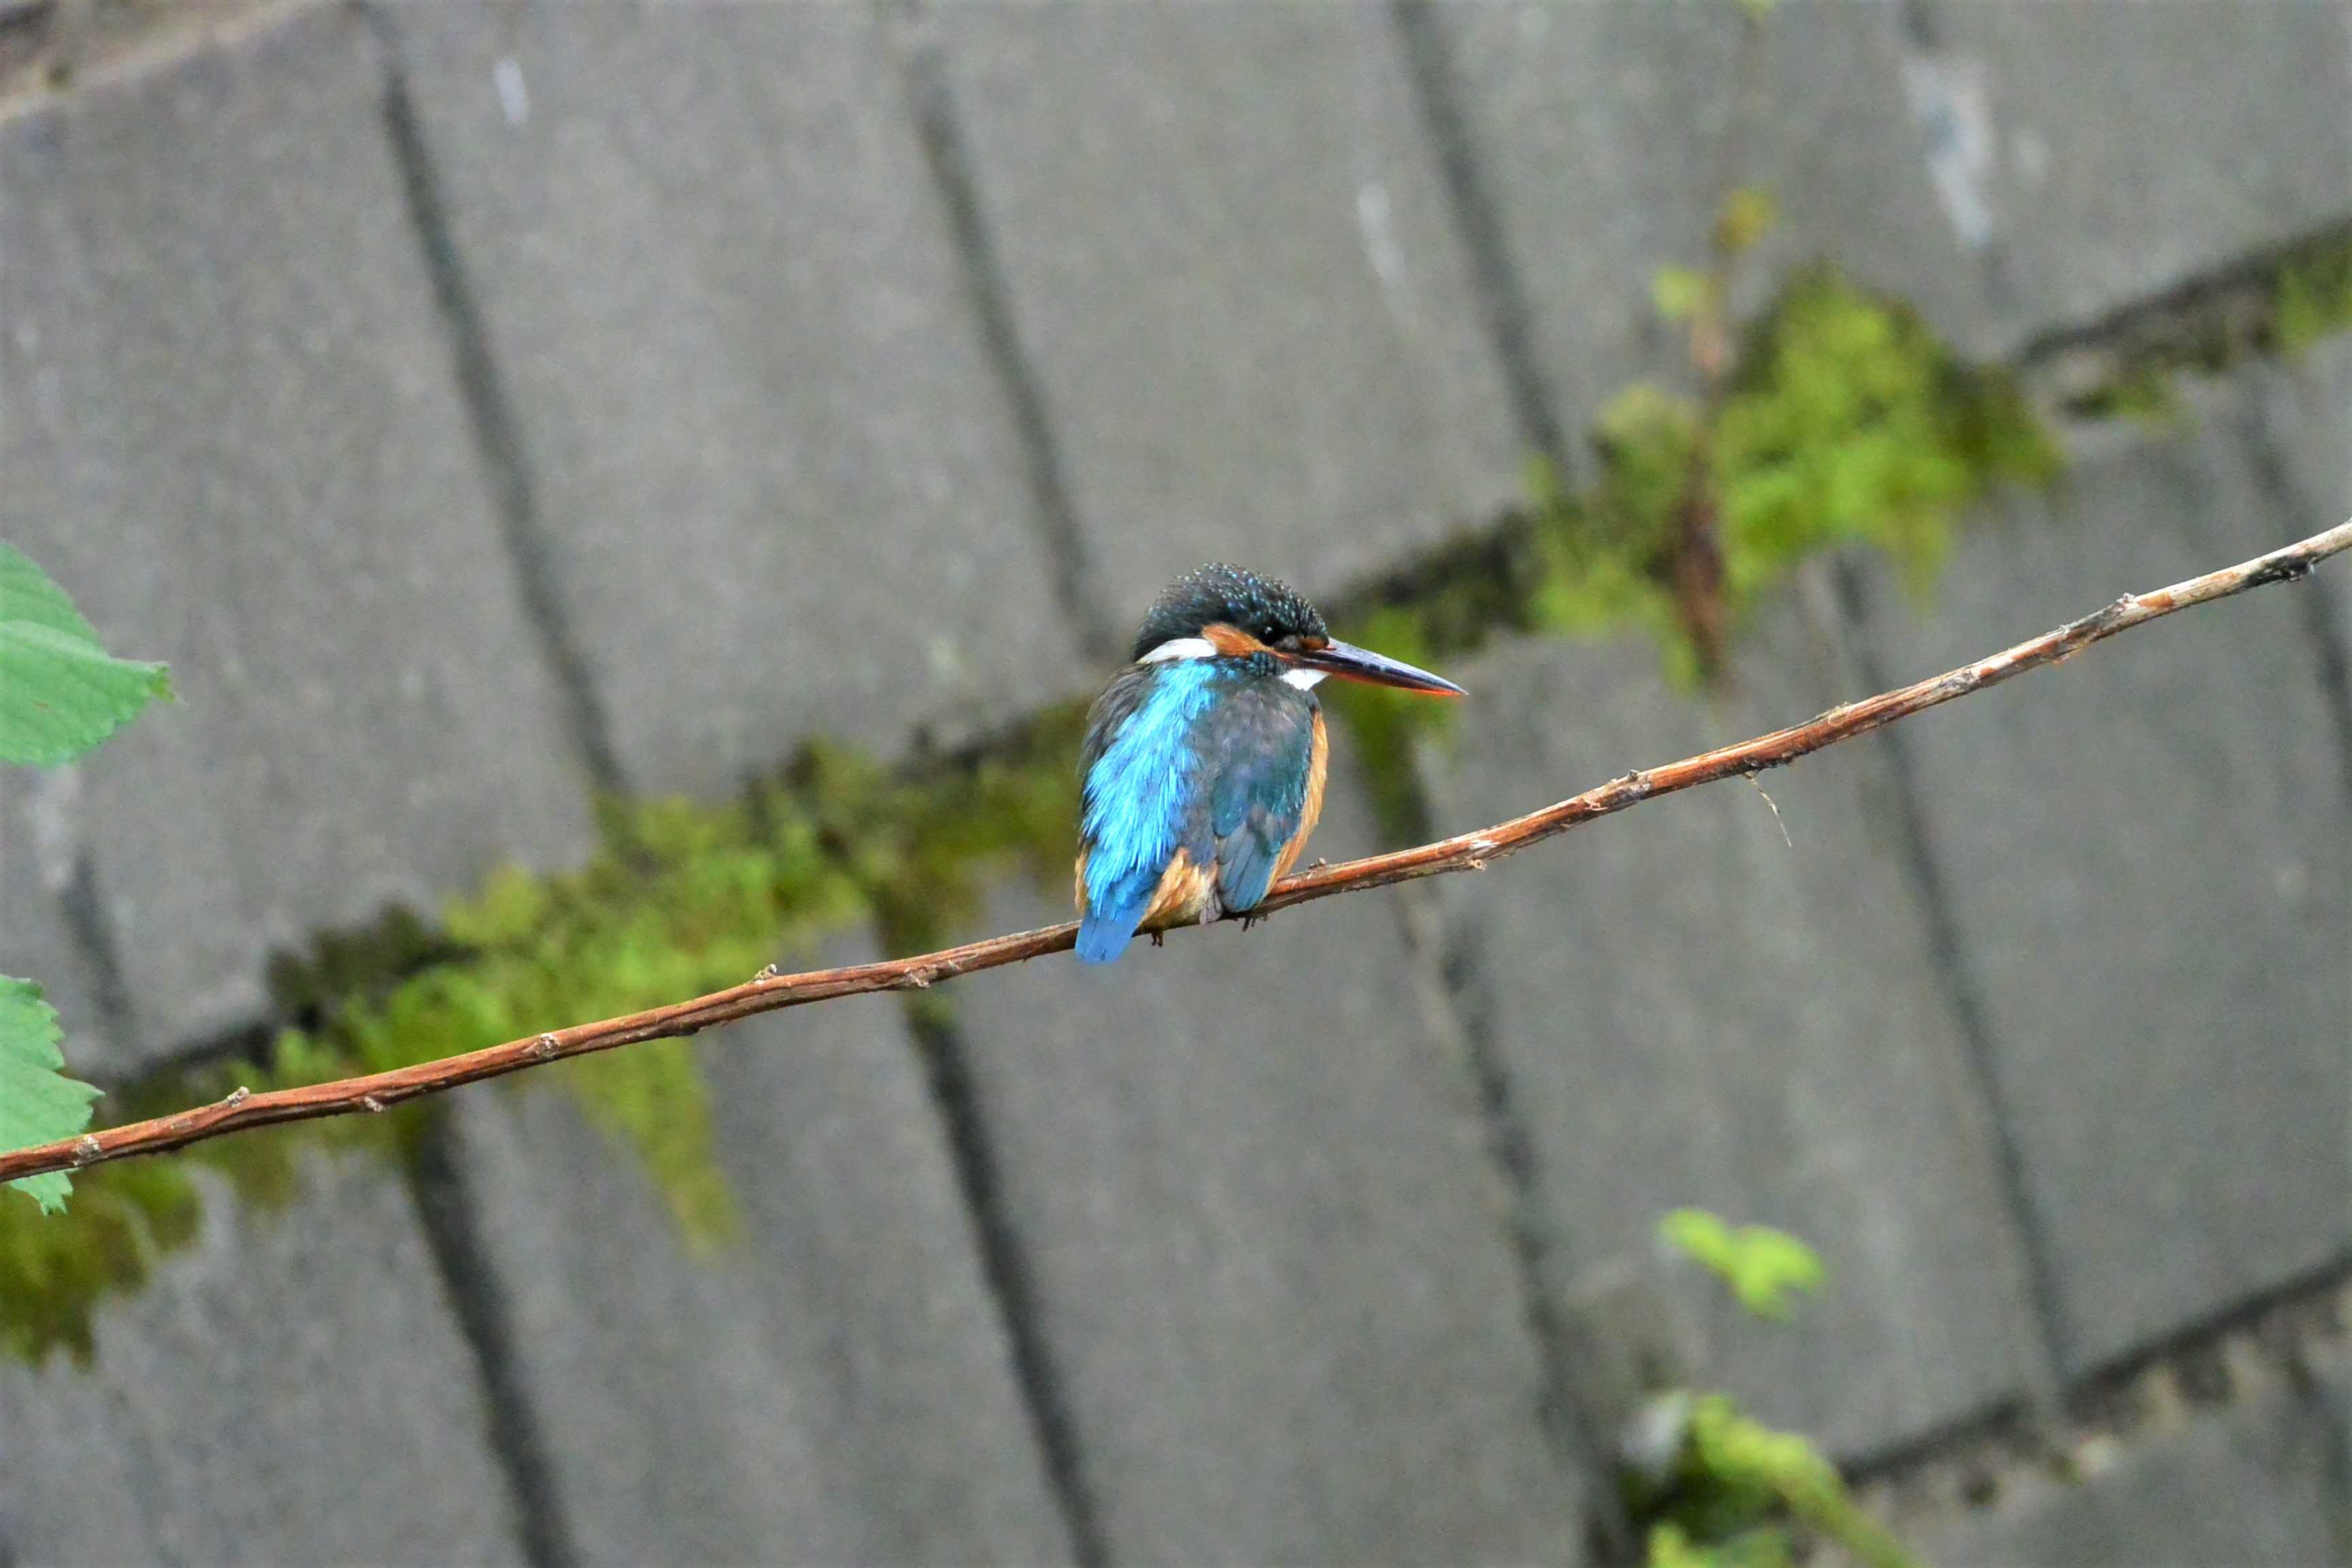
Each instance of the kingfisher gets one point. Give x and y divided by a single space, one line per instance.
1205 758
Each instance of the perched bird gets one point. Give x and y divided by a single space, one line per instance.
1204 759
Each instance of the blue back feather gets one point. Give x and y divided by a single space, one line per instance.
1137 796
1208 756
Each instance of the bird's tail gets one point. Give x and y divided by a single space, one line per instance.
1103 934
1108 916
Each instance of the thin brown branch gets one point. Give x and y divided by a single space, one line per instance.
1463 852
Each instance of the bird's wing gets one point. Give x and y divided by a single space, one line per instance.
1141 771
1264 758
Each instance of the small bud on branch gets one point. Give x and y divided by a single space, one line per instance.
1471 851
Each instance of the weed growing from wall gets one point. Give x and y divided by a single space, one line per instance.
680 899
1712 1488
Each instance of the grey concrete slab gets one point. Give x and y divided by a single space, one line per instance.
2300 417
2007 167
1692 1010
779 488
1606 135
833 1387
291 1389
231 430
1233 266
2258 1482
1267 1249
2150 884
2116 160
39 838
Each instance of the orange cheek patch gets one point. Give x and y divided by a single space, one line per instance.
1231 641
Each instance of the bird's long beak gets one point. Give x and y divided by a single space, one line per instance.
1350 662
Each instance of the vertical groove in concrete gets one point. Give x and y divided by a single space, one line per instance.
2320 591
1958 978
1054 1426
1502 301
990 299
1458 1019
1567 1422
497 435
444 1210
83 911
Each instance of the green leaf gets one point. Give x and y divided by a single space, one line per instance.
60 692
1761 1264
39 1104
1680 292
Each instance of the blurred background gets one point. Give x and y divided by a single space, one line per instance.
633 492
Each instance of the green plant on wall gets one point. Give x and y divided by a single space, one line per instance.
1721 1490
679 899
61 694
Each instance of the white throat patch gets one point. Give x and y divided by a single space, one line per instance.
1180 647
1175 648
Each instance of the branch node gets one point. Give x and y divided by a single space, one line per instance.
235 1098
767 972
917 973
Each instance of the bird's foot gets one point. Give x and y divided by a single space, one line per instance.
1158 938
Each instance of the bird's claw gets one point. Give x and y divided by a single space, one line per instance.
1158 938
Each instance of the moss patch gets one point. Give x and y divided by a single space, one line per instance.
1844 422
680 899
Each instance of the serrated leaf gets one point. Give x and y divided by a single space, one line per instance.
39 1104
60 692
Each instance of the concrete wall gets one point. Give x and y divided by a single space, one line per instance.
485 406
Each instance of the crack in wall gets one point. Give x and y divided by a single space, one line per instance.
82 910
995 1233
1576 1427
2325 615
1964 991
988 293
1502 301
446 1208
2294 1339
491 420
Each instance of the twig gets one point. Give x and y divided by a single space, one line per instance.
1463 852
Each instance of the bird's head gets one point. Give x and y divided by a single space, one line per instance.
1223 612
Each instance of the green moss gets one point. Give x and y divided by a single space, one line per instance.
53 1268
2312 298
2282 303
2146 395
680 899
1844 422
